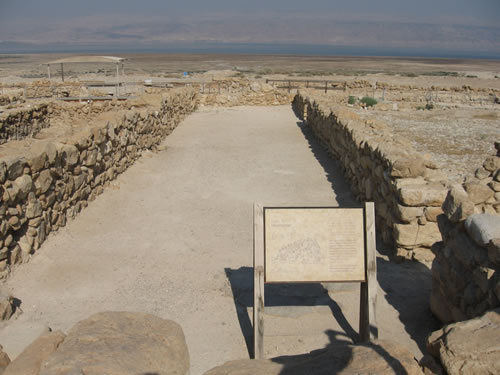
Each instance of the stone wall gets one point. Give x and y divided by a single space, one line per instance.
19 124
466 271
45 182
244 92
406 187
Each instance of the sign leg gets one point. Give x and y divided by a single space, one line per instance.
258 284
368 329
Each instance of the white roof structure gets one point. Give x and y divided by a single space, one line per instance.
87 59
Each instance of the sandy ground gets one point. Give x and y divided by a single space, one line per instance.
173 237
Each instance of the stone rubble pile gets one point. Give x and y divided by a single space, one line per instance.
56 178
407 188
466 271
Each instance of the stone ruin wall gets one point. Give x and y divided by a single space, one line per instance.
417 209
52 180
19 124
466 271
410 96
407 188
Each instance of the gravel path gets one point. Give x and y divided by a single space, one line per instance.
173 237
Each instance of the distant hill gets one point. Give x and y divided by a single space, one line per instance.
265 29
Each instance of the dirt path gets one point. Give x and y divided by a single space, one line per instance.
174 238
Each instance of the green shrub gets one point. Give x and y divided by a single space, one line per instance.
368 101
351 100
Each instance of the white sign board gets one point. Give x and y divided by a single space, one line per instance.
314 244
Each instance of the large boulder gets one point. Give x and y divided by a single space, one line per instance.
469 347
380 357
121 343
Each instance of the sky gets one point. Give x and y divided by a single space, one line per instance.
387 22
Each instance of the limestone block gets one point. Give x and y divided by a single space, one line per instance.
30 360
431 194
38 160
483 228
431 213
68 153
435 175
25 184
457 205
469 347
33 209
408 214
121 343
43 182
414 235
408 167
99 135
478 193
492 163
481 173
15 167
14 223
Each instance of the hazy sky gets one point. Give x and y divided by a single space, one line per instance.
487 11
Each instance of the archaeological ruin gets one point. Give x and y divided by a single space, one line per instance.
58 156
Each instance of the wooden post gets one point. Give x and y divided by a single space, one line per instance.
117 80
62 72
258 282
368 329
326 87
48 70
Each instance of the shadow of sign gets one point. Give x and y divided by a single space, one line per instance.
281 296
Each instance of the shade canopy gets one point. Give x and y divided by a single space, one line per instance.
87 59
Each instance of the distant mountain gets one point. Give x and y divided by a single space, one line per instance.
264 29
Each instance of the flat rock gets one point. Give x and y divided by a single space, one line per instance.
380 357
483 228
416 235
121 343
432 194
30 360
469 347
